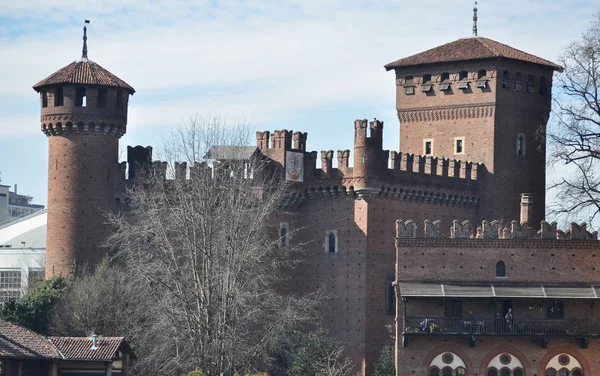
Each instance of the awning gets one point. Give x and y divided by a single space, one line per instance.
449 290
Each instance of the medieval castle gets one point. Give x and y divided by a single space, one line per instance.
470 163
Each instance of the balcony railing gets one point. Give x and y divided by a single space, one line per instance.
502 326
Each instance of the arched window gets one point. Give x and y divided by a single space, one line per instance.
427 85
434 371
492 372
409 86
519 82
506 79
331 242
463 80
520 145
543 87
530 84
518 372
500 269
551 372
447 372
481 79
504 372
445 82
568 366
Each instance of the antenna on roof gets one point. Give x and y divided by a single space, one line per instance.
84 52
475 20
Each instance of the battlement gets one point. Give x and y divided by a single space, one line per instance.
493 230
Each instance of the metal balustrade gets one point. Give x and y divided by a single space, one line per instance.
501 326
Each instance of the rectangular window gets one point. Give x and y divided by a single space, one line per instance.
101 103
44 98
425 88
283 234
445 86
390 304
427 147
80 99
521 145
463 85
10 285
34 277
58 97
409 90
459 145
482 83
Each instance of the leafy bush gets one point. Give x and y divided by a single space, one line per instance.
385 365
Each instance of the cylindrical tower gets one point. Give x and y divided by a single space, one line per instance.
83 113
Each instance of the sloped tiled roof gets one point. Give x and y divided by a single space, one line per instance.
22 343
84 72
474 48
79 348
222 152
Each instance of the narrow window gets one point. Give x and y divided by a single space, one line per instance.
101 102
427 147
391 297
409 86
119 99
492 372
459 145
482 79
519 82
506 79
58 97
463 80
445 82
427 85
44 98
447 372
520 144
80 98
530 84
453 308
543 87
434 371
555 309
500 269
519 372
283 235
331 242
505 372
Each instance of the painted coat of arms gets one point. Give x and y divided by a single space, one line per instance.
294 166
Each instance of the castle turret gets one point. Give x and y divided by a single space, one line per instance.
83 113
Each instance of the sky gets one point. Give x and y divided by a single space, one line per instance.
307 65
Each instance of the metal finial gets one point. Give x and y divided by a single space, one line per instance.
475 20
84 52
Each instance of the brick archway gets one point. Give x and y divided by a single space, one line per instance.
567 350
505 349
447 348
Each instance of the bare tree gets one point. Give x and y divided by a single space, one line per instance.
574 138
202 250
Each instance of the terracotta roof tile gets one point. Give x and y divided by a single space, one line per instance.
475 48
80 348
22 343
84 72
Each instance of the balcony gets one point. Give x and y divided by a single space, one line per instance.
501 327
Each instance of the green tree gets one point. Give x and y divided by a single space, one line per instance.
319 355
34 309
385 365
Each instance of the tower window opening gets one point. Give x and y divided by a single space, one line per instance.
119 103
519 82
283 235
445 82
101 102
427 85
463 80
427 147
459 145
500 269
505 79
520 144
80 97
331 242
543 86
482 79
59 97
530 84
409 86
44 98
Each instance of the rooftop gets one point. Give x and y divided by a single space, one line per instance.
465 49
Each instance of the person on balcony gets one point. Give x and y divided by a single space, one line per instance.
509 320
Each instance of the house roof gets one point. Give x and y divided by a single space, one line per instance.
83 72
465 49
236 153
19 342
80 348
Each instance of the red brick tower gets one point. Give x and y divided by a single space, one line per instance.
83 113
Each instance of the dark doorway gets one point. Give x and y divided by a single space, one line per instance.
555 309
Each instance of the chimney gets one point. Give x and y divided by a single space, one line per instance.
15 189
526 208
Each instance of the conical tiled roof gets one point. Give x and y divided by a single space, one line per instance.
84 72
475 48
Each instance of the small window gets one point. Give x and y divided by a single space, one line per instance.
551 372
119 103
445 82
447 372
530 84
434 371
504 372
283 235
427 85
409 86
555 309
427 147
459 145
520 145
463 80
505 79
331 242
492 372
518 372
59 97
44 98
80 98
543 87
519 82
390 303
101 102
482 79
500 269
